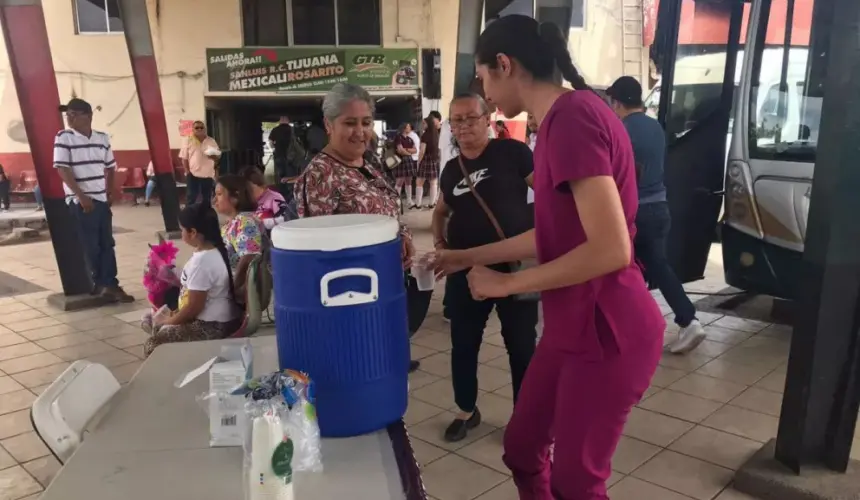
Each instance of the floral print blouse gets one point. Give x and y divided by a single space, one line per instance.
243 235
330 187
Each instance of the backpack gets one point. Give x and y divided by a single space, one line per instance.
297 157
263 271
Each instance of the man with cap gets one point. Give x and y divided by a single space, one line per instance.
85 162
653 219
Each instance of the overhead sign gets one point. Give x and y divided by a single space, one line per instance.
309 70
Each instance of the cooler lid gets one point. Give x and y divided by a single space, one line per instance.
335 232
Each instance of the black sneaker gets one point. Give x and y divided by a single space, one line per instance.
414 365
459 428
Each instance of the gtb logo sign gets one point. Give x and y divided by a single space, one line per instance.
369 60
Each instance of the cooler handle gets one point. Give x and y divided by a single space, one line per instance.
349 298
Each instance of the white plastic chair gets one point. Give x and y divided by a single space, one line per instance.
63 411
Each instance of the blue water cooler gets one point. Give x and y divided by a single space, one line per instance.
340 316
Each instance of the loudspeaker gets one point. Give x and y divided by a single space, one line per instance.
431 62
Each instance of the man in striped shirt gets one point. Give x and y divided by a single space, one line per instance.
84 160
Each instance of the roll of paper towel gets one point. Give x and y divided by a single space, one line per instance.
267 440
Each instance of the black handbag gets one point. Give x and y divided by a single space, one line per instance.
417 304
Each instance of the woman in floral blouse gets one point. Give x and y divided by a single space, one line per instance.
339 180
244 234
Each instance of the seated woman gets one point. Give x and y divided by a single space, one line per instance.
207 309
244 234
272 208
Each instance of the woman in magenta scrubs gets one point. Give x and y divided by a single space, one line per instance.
603 332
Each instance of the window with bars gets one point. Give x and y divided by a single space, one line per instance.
570 13
577 14
97 16
311 22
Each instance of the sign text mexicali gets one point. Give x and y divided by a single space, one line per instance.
309 70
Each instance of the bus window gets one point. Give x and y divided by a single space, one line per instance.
652 102
785 111
771 102
700 66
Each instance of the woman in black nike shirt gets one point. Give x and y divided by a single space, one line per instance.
500 171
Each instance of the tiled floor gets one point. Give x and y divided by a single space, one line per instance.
703 416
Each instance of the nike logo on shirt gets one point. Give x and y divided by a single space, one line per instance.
477 176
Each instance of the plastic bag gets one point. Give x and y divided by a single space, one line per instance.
281 434
159 273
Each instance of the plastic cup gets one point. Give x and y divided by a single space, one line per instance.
425 277
160 316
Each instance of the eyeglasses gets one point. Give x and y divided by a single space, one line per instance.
199 128
468 121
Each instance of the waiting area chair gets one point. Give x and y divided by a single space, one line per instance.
61 414
258 293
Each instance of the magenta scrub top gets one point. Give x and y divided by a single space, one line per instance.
581 137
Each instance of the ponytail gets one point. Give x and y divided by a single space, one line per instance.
222 248
202 218
540 48
552 36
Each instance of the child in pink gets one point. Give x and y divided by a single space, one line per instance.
272 208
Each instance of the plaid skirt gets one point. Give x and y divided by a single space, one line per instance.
428 169
407 168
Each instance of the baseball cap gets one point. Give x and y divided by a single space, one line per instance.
626 90
78 105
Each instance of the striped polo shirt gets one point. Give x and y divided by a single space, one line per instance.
88 157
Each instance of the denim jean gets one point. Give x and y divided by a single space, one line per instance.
195 186
37 193
150 187
96 231
652 230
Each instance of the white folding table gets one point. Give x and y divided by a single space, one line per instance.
152 443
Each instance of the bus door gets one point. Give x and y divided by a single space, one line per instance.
785 89
771 165
696 117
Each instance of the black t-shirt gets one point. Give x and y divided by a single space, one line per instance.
499 177
281 137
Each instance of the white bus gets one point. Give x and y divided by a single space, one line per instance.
741 113
773 148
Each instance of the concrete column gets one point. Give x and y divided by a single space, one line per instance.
138 37
811 457
26 38
468 30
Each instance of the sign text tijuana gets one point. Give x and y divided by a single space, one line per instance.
285 69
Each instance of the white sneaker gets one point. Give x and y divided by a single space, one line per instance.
689 338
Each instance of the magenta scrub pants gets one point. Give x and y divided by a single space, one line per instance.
580 406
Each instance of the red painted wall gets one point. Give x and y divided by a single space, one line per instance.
16 163
517 128
707 23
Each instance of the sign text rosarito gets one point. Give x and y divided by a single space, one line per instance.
309 70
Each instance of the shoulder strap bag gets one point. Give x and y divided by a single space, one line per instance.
514 266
